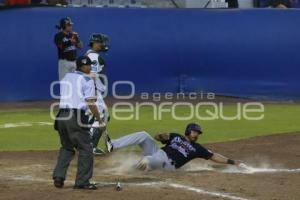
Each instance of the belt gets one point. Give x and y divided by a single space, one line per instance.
172 162
74 110
70 109
77 113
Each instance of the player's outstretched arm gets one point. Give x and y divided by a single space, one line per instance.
162 137
218 158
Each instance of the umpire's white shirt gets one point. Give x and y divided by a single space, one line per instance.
75 89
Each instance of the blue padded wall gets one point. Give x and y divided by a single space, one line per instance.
246 53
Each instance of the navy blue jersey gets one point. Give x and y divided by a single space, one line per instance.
182 151
66 49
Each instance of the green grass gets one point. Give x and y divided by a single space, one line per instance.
278 118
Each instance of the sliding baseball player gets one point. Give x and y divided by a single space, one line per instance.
177 151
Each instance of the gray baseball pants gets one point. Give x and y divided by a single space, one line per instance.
65 66
157 158
72 137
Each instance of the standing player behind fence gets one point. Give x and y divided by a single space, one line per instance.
77 96
98 43
67 43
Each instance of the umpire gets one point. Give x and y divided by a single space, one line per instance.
77 95
67 43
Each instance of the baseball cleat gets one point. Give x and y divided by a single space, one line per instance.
58 182
118 186
90 186
143 165
98 152
108 143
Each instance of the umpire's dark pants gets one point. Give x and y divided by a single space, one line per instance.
74 136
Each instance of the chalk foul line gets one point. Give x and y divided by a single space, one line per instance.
190 188
206 192
140 184
244 170
25 124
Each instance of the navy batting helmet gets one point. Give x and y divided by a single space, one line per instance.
101 38
193 127
63 22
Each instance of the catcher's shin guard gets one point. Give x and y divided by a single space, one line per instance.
96 134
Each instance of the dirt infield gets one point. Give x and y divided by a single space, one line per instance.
274 175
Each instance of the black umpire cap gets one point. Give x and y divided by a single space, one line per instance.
83 60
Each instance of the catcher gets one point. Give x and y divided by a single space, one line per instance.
99 43
178 149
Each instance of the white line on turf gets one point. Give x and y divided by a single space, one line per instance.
24 124
240 170
205 192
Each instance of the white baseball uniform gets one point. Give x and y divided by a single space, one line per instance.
100 87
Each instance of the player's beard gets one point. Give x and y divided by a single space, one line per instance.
193 139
